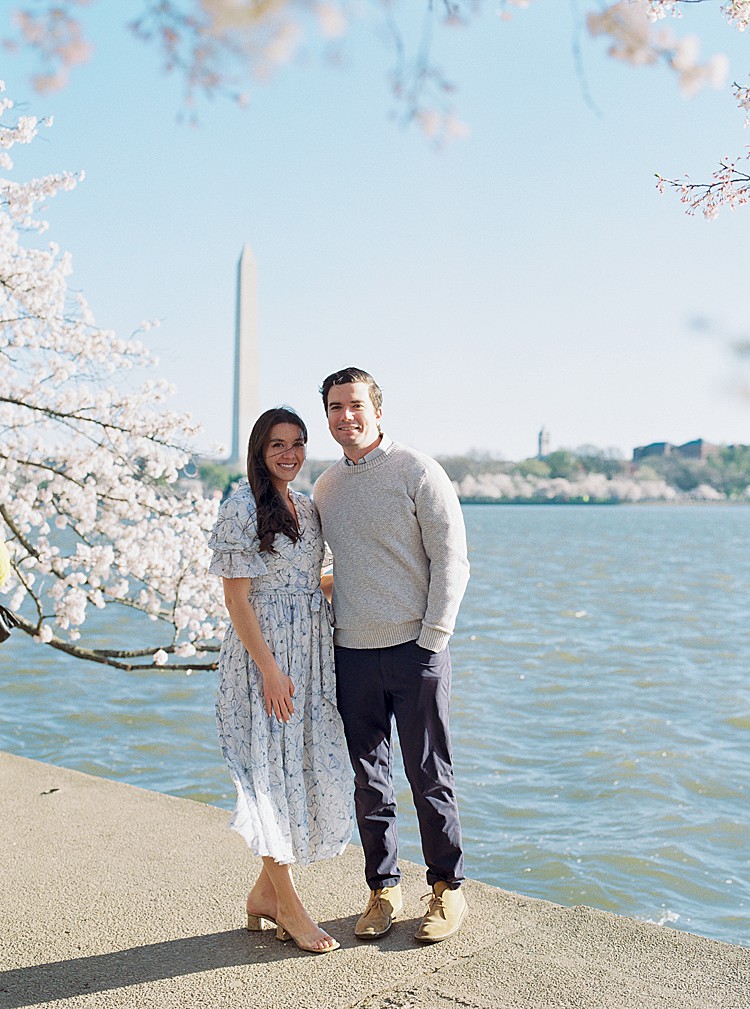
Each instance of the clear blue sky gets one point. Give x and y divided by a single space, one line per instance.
529 274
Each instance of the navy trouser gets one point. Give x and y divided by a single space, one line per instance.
412 684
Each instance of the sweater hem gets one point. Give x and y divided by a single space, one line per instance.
377 637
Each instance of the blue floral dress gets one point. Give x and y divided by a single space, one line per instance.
293 779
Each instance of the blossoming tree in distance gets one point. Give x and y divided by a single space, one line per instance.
210 41
89 466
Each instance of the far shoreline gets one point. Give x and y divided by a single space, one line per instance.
604 502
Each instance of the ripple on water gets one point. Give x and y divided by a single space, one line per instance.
738 722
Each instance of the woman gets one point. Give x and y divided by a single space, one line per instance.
279 727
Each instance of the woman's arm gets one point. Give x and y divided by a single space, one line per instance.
326 584
278 688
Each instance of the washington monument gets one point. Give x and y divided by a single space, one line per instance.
246 384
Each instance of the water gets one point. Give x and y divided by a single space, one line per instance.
601 712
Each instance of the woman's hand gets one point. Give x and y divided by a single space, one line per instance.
278 688
278 691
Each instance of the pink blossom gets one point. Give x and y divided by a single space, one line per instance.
331 19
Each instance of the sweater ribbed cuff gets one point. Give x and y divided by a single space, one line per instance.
433 639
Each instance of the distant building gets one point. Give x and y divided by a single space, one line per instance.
656 448
543 449
698 449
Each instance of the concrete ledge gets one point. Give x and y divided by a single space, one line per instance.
113 897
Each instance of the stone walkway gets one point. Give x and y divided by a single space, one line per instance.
116 897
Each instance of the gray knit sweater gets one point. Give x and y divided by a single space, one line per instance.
395 528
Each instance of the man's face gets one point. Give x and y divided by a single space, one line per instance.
352 419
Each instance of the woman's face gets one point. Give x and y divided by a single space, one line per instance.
283 454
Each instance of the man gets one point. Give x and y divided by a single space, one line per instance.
394 524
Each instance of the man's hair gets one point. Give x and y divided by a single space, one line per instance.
345 377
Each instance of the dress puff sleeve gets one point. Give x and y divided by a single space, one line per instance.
234 539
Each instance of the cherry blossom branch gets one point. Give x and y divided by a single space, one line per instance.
167 615
742 96
730 188
103 495
109 657
37 603
104 423
26 544
577 51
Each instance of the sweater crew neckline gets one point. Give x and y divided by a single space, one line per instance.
368 467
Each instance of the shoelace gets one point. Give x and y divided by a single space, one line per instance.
436 903
376 901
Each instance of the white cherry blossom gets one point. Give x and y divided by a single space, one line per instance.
91 501
737 13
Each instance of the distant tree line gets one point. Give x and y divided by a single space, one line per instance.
727 472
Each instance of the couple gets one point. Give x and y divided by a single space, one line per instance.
393 523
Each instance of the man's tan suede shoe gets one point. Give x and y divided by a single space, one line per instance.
444 915
382 908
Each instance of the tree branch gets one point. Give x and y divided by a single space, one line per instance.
109 657
105 425
28 546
